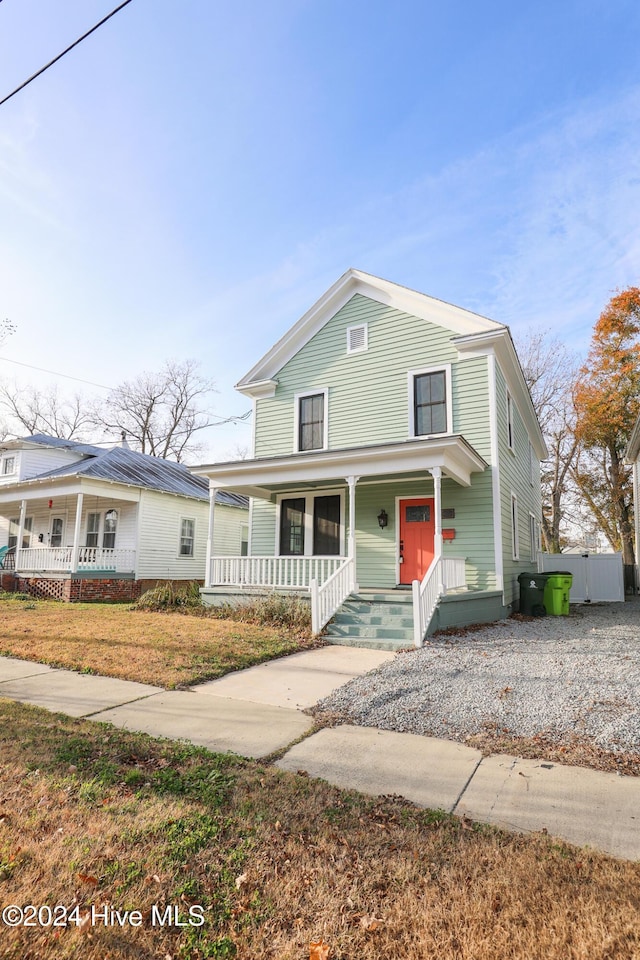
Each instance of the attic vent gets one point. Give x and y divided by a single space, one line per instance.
357 338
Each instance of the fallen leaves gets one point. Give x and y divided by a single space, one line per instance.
319 950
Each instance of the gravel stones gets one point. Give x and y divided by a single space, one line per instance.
558 677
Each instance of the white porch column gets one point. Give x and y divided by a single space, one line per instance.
76 535
23 513
436 473
351 540
212 507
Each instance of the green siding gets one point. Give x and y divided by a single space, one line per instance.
515 476
368 403
368 392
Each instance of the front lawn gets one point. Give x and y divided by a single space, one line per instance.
165 649
145 848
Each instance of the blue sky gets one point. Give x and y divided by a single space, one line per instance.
191 178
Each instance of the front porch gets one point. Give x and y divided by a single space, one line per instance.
379 510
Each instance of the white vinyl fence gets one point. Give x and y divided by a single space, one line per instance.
596 576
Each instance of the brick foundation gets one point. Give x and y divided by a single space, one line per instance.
78 589
74 590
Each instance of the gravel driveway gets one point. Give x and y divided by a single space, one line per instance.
559 679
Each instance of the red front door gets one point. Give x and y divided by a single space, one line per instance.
417 529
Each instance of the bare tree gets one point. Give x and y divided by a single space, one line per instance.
160 412
550 371
6 329
44 411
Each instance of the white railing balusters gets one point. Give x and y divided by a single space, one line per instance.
445 573
60 559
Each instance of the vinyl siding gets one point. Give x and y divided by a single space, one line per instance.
65 507
368 392
34 462
368 402
158 551
515 477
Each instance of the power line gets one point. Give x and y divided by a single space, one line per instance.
64 52
233 419
54 373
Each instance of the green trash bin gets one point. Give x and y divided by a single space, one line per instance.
556 593
532 588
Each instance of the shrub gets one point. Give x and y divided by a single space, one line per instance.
169 596
271 609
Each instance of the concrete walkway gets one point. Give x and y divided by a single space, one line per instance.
258 711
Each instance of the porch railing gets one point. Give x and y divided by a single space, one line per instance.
60 560
273 573
445 573
328 597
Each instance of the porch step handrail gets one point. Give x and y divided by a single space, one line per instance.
273 573
444 573
326 598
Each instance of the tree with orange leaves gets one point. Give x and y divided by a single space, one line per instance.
607 403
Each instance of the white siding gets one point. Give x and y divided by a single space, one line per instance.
158 551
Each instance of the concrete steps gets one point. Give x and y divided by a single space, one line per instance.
378 620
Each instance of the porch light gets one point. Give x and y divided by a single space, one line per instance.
383 519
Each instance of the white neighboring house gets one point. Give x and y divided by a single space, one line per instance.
78 522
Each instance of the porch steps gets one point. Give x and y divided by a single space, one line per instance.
381 621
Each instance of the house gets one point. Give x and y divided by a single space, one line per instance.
395 474
84 523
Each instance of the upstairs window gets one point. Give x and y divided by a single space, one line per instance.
430 403
109 532
312 421
8 466
510 431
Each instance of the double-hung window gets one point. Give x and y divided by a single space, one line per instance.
311 525
311 421
430 402
14 526
8 466
187 537
109 532
93 529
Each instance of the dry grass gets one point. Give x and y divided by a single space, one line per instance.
91 815
166 649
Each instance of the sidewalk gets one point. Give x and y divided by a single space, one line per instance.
258 711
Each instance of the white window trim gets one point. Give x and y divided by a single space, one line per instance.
11 458
532 476
411 376
324 391
308 517
515 527
365 346
187 556
534 535
511 433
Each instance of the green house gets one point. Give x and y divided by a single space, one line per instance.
395 475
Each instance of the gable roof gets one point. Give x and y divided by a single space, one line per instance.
126 466
458 320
